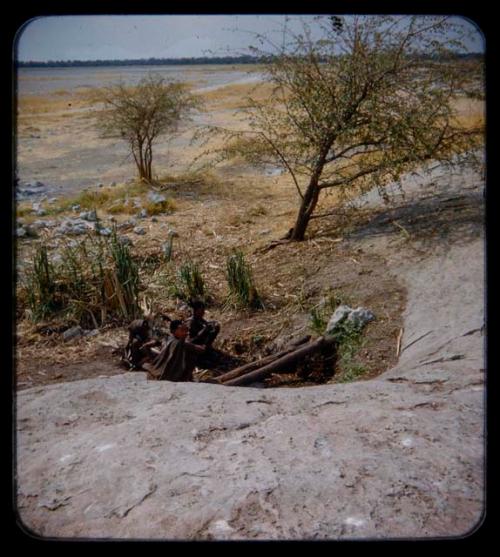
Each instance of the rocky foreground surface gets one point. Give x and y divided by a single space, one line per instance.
399 456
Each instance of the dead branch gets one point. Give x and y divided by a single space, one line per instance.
283 363
260 363
398 342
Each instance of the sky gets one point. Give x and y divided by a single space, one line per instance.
158 36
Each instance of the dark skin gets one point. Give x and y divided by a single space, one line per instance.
182 332
198 314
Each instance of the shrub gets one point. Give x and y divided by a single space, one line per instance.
167 206
349 339
320 314
190 284
240 281
93 282
41 286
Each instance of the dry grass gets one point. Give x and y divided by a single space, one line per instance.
36 104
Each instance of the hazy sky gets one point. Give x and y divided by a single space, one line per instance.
158 36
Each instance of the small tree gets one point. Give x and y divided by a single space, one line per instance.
355 107
139 115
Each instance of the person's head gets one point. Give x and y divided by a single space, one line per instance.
179 329
139 327
198 308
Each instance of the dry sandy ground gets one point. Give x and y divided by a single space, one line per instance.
238 207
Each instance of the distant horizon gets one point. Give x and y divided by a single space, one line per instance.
167 61
176 58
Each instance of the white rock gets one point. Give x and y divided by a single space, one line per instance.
356 317
156 197
89 215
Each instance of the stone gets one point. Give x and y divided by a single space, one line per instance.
74 332
75 207
89 215
142 214
360 316
156 197
38 224
125 240
21 232
73 227
356 317
139 230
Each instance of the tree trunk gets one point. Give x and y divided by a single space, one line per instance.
310 199
305 212
148 157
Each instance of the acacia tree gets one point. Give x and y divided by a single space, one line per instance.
369 99
139 115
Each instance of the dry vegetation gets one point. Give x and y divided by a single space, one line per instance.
213 214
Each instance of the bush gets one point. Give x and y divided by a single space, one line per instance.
93 282
240 281
167 206
41 287
349 339
190 284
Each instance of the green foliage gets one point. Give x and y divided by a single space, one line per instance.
357 103
352 371
127 277
139 115
190 284
92 282
349 339
41 287
347 336
240 281
321 313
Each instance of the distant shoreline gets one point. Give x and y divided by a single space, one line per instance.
142 62
221 60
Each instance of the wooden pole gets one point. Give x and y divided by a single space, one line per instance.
259 363
281 363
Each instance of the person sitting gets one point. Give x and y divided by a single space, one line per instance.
138 350
177 358
201 331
